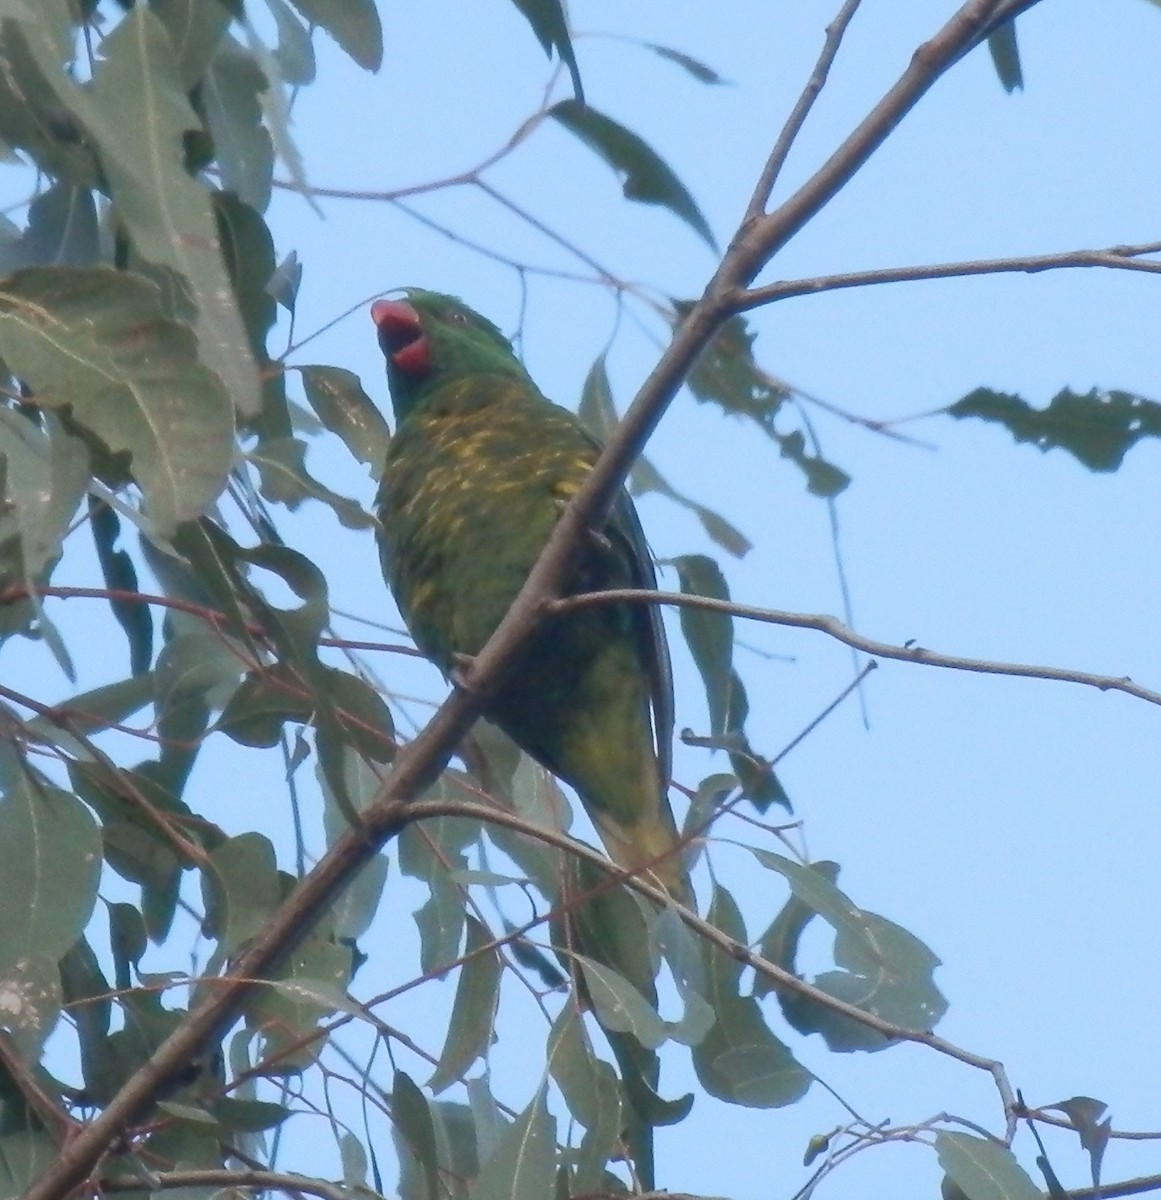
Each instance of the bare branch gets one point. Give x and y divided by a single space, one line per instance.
1122 258
842 633
790 131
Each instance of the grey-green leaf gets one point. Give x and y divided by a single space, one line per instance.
51 850
97 340
354 24
470 1029
1006 56
340 403
550 24
523 1165
984 1169
644 174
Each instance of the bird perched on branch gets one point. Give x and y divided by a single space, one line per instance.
477 474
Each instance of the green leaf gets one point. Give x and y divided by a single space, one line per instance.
471 1027
645 176
120 575
739 1060
340 403
31 116
550 24
31 991
242 145
281 464
413 1125
311 986
1006 56
264 701
600 416
52 863
137 112
294 54
241 889
195 30
47 473
620 1006
1097 428
96 340
693 66
884 969
590 1089
710 635
24 1156
984 1169
523 1165
354 24
61 231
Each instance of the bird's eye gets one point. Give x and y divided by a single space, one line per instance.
459 318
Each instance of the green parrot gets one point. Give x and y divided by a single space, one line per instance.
477 474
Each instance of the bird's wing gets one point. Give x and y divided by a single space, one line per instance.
627 524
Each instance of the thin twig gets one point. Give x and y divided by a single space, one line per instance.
842 633
1123 258
794 123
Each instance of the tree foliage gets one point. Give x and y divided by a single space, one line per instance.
146 412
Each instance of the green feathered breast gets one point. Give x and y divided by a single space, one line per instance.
476 477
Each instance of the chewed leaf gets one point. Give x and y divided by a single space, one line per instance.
1097 428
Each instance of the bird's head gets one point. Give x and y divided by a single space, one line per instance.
430 340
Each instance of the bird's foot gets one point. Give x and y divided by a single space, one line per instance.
596 539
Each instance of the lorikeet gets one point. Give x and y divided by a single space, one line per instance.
477 474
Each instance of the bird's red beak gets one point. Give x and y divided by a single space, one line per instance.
401 335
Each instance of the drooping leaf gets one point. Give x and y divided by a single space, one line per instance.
599 414
137 113
710 638
24 1156
590 1090
1098 428
1088 1119
354 24
120 576
645 176
294 53
550 24
523 1165
340 403
882 968
414 1128
52 862
61 230
984 1169
194 31
31 115
47 471
1006 56
471 1027
96 340
241 889
739 1060
30 986
242 146
281 464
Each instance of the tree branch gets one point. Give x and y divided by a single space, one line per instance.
1123 258
843 633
